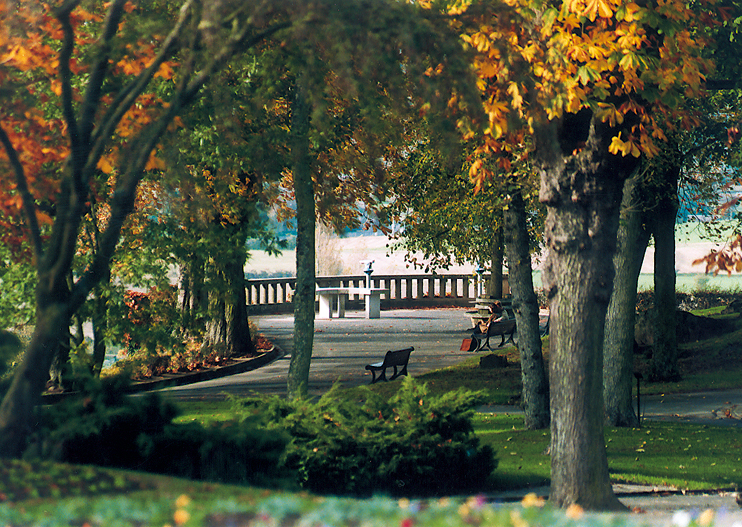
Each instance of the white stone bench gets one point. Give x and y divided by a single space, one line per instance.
339 295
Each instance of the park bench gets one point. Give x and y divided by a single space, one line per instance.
393 359
502 329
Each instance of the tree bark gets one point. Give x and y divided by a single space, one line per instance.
298 376
618 342
535 398
581 185
495 285
228 330
193 301
17 416
664 364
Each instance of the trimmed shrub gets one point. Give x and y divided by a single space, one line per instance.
106 428
412 444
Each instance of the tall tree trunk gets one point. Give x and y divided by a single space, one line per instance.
664 364
17 419
535 399
193 301
618 342
495 285
228 330
100 328
581 185
298 376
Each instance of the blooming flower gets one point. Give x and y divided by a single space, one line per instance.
681 518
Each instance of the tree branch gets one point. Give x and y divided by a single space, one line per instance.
128 96
65 74
122 202
98 73
28 202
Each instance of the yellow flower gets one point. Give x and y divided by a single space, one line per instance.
574 511
181 516
517 520
532 500
706 517
182 501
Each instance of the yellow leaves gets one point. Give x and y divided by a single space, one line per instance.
609 113
480 41
532 500
105 165
487 70
618 146
590 9
516 97
19 56
629 12
574 512
594 8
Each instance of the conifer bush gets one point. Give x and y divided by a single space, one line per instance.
412 444
107 428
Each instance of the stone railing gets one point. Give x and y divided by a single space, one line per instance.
274 295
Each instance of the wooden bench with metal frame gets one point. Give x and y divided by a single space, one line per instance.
393 359
502 329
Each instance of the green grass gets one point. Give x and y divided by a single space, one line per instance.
205 412
681 455
686 456
677 454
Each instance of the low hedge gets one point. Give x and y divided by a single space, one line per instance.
410 444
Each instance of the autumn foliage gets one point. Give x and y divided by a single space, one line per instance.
33 130
629 63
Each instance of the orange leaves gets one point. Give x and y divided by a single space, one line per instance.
727 260
155 163
105 164
594 8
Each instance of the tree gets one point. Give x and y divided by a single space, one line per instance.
431 199
535 393
100 109
618 343
358 80
693 166
593 83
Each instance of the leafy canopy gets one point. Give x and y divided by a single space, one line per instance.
630 63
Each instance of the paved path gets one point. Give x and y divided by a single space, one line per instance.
342 348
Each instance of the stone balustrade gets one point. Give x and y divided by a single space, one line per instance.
274 295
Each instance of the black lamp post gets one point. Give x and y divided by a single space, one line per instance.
368 269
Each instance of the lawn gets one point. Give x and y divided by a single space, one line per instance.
681 455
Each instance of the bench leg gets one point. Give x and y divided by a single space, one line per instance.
403 371
325 306
381 377
373 305
341 306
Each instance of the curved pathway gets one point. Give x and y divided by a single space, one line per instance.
343 347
